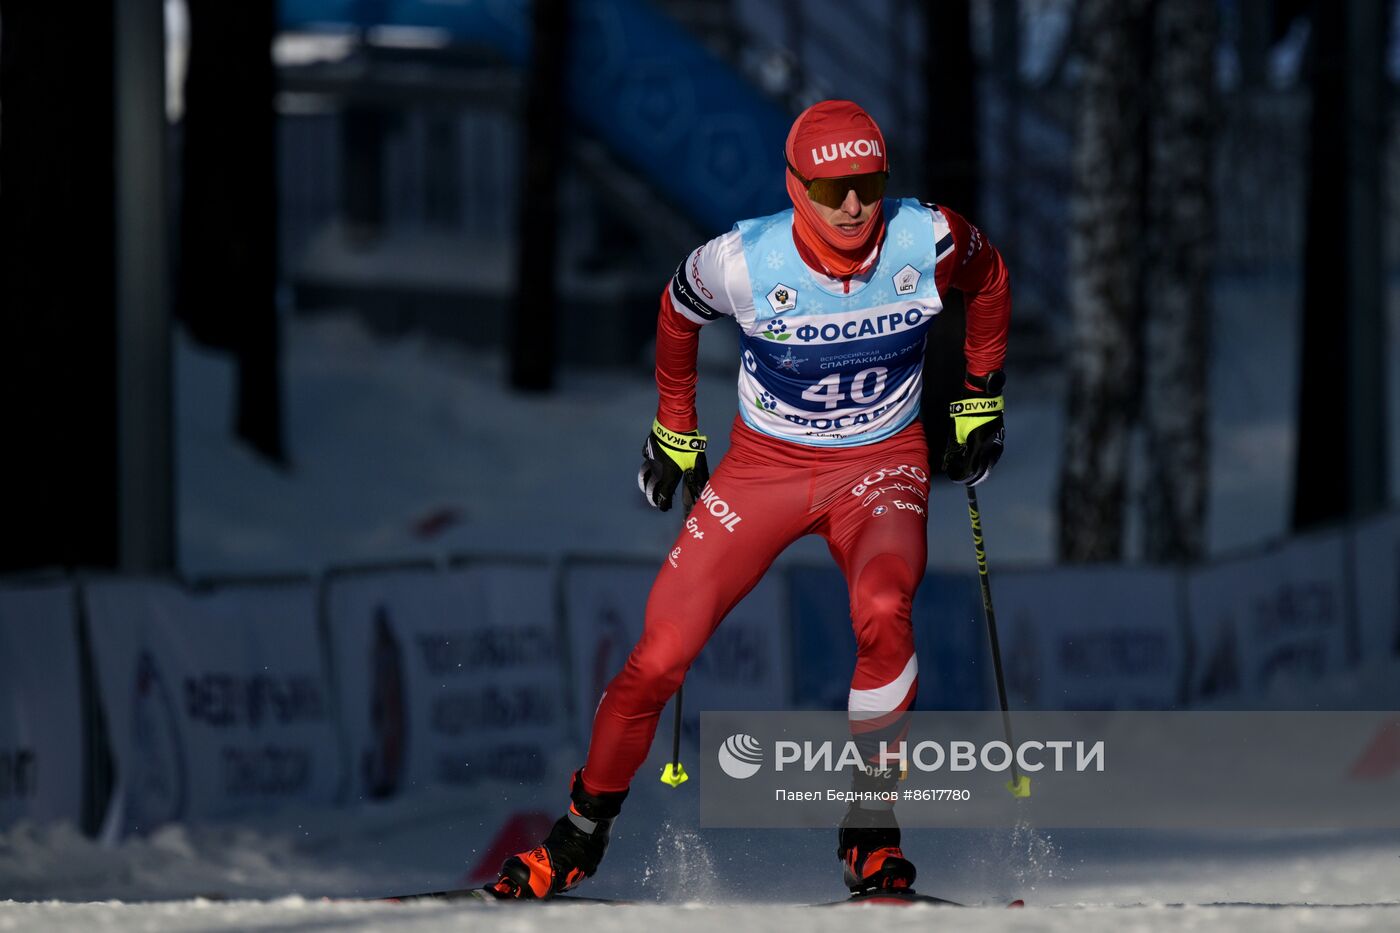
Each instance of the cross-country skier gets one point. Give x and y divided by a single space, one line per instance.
833 299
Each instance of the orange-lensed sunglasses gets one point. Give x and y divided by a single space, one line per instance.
831 192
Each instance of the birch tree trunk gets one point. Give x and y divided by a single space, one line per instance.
1105 248
1176 327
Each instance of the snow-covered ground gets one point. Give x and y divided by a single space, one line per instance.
303 869
296 914
300 874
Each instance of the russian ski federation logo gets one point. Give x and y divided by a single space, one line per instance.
906 280
782 298
740 756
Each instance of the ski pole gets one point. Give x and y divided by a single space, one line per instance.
674 773
1020 784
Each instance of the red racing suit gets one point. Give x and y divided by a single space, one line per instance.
867 498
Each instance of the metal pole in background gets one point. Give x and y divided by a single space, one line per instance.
1340 470
952 176
58 424
145 462
533 314
1368 110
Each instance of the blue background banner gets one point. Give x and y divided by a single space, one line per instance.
702 136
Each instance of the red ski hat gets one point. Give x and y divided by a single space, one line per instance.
830 139
833 138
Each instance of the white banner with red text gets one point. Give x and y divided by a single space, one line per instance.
446 677
1272 630
217 701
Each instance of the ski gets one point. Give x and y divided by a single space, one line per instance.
454 894
484 895
903 898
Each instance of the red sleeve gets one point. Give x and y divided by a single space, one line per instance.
976 268
677 343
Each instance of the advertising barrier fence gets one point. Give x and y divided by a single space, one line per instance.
1271 628
41 720
446 677
1376 564
216 701
377 682
1092 638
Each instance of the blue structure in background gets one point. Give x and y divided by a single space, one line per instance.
664 105
950 636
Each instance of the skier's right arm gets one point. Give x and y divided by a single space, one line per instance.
674 449
677 346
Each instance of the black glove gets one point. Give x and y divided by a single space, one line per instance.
668 458
979 432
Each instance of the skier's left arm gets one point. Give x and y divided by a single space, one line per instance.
975 267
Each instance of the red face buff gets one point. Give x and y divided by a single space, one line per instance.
835 139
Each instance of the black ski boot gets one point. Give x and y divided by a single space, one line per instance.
868 847
570 853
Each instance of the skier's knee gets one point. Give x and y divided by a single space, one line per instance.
881 602
660 670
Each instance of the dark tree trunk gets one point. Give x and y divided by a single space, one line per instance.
952 179
1175 330
1253 39
1106 236
363 129
227 281
532 322
57 287
951 126
1340 469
